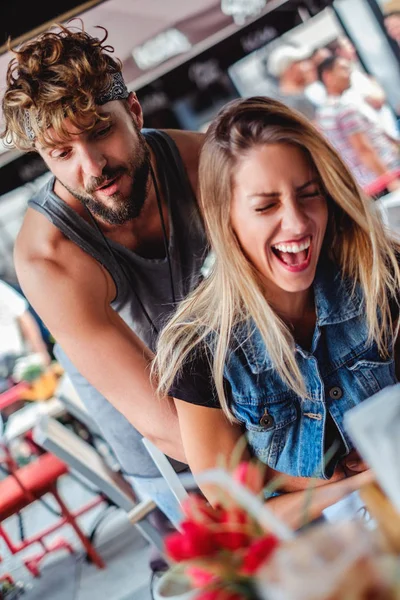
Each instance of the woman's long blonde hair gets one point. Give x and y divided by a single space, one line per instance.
232 294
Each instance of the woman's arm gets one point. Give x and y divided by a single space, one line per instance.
209 440
298 508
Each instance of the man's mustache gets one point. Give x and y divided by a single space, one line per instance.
107 175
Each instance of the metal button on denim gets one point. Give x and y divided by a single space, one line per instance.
266 420
335 392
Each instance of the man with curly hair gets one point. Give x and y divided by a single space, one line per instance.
112 241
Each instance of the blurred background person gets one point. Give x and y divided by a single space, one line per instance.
19 333
362 143
392 24
315 90
320 54
290 65
364 89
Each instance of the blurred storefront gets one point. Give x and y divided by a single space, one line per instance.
187 71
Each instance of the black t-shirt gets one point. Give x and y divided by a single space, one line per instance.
195 383
394 301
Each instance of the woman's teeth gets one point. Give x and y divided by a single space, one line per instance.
293 247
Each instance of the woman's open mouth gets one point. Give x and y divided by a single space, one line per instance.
294 256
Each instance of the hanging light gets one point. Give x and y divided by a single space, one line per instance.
160 48
241 10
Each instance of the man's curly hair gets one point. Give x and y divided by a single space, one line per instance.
57 75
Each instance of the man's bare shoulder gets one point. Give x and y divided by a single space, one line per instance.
189 141
189 144
43 255
38 239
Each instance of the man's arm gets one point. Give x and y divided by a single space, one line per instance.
72 295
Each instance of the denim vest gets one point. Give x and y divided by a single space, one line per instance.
341 370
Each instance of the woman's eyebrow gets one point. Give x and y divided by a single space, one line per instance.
277 194
305 185
264 195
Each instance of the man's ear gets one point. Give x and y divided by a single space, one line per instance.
135 109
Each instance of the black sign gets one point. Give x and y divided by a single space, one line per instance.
20 171
207 67
21 18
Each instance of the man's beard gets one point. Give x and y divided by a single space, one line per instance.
125 208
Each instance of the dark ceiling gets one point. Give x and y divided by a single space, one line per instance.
23 19
129 23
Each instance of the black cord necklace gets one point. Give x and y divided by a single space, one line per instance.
165 237
120 264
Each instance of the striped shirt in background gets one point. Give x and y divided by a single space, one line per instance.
338 120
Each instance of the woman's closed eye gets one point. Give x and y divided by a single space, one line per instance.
272 202
314 194
265 207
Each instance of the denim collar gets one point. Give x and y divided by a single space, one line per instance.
334 301
334 304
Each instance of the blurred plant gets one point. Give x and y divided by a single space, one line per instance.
220 549
10 590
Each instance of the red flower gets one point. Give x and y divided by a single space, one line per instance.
231 540
200 577
250 475
228 528
194 541
258 553
232 534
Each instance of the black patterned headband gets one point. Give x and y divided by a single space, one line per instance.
116 91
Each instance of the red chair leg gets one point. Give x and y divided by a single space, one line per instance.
92 554
32 564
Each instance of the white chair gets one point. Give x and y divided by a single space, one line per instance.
24 419
81 457
168 473
68 395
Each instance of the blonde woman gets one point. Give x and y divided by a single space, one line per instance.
296 322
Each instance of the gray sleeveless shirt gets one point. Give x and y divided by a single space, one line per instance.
149 277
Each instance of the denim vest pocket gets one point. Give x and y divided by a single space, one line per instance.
373 375
266 437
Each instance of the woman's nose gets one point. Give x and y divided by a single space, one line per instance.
294 218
